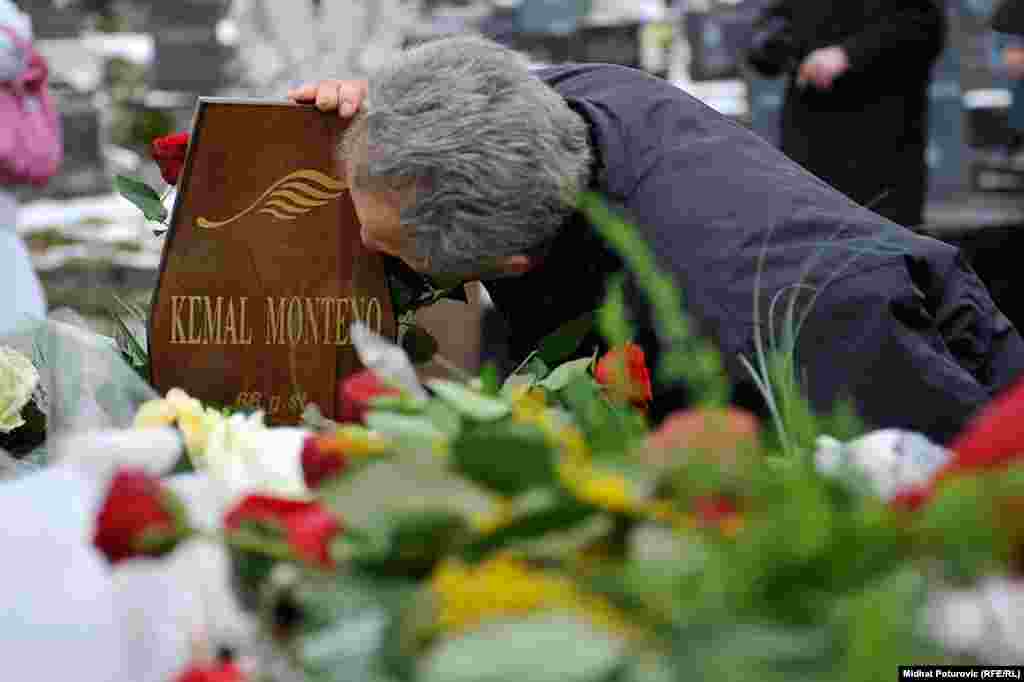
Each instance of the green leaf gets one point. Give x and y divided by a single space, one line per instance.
613 315
563 342
410 542
445 417
537 367
468 402
489 383
506 457
402 404
409 432
548 648
344 622
143 196
566 372
419 344
560 514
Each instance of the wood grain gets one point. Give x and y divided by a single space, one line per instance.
263 269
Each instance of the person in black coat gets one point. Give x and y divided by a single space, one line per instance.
1009 17
460 157
855 111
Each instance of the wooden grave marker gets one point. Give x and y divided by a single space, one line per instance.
263 269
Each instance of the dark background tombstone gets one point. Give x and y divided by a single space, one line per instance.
187 55
48 22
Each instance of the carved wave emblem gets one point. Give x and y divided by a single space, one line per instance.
293 195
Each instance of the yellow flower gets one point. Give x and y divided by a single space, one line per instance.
528 404
504 587
155 413
195 421
358 441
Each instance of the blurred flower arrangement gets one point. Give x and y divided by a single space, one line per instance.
556 536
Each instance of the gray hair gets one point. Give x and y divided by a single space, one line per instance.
497 155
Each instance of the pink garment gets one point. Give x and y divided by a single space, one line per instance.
31 148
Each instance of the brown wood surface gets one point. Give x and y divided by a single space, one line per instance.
263 225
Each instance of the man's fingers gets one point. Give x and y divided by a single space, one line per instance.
327 97
350 97
345 97
304 93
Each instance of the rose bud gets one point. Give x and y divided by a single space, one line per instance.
623 372
357 390
307 527
322 458
217 672
138 517
719 512
169 153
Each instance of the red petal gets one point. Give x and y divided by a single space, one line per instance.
911 499
132 507
263 508
995 437
170 170
357 390
170 146
713 509
321 461
310 533
636 385
222 672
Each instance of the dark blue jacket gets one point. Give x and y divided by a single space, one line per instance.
900 322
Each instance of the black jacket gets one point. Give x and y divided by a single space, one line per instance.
1009 17
867 135
908 330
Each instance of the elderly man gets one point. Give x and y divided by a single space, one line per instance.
464 162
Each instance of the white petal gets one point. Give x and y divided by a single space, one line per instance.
100 453
387 360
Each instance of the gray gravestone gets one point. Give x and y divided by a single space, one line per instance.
187 54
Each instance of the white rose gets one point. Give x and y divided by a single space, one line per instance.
18 379
243 456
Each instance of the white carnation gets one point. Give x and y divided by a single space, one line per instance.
18 380
890 460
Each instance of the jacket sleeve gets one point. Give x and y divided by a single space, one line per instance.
772 49
913 29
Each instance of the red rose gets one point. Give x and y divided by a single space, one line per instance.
911 499
623 372
322 458
357 390
307 526
136 517
993 438
711 510
169 153
219 672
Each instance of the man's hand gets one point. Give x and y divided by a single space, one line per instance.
822 67
1013 60
345 97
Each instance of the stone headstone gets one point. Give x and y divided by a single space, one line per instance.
49 21
188 56
263 270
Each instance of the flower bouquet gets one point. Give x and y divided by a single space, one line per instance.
538 528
